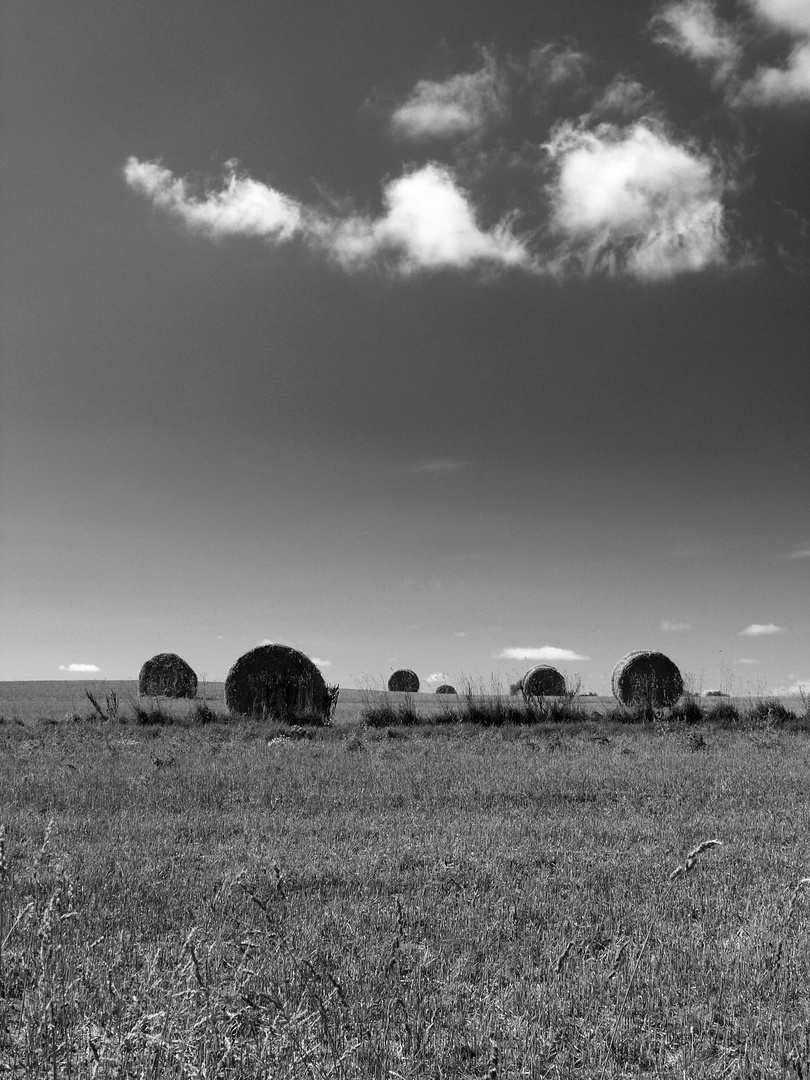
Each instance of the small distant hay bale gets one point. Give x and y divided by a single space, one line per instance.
167 675
404 680
279 682
446 688
646 678
516 687
542 681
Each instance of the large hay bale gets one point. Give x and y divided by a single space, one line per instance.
542 681
276 681
404 679
646 678
446 688
167 675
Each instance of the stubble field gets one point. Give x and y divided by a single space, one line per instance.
222 900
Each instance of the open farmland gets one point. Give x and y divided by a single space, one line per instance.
431 901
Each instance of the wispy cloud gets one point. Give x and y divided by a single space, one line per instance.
761 630
437 676
748 661
802 553
242 207
462 105
429 221
321 663
79 667
635 200
624 99
670 627
694 29
544 652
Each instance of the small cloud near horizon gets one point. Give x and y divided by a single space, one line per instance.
438 466
320 663
674 627
801 686
803 553
761 630
747 660
79 667
544 652
437 676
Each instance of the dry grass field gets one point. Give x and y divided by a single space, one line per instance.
222 900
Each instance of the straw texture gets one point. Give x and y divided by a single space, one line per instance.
276 681
404 679
646 678
542 681
167 675
446 688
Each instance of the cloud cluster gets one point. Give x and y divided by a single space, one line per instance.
612 188
694 29
544 652
761 630
79 667
428 222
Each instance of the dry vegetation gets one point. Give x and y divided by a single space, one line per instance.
215 898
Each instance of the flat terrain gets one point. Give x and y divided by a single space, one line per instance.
60 698
227 901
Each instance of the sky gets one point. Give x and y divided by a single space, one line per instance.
452 335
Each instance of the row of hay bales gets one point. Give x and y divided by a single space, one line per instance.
641 676
281 681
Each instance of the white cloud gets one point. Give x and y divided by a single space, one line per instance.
803 553
438 466
553 63
545 652
79 667
761 630
790 16
670 627
243 207
460 633
437 676
693 29
747 660
786 85
429 222
321 663
633 200
464 104
623 98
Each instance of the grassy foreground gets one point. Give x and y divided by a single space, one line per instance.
426 901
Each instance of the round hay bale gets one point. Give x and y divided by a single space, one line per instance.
404 679
542 681
276 681
167 675
446 688
646 678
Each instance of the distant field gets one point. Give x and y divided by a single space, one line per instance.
59 698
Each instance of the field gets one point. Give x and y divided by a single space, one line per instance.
225 900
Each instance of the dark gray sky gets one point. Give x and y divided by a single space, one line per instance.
449 335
